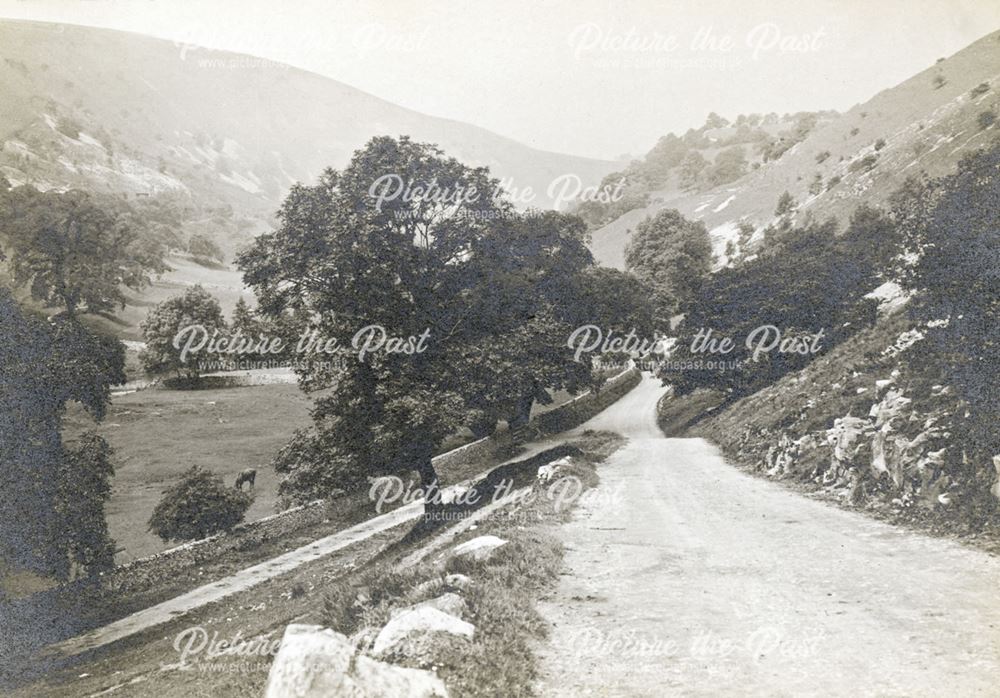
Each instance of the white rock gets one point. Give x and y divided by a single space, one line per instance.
314 662
311 662
480 548
424 619
381 680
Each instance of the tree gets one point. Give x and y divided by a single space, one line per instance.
811 282
355 251
198 506
786 205
43 366
730 164
951 227
244 321
203 247
72 252
161 329
491 289
84 488
691 169
672 256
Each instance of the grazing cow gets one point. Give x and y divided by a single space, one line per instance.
246 476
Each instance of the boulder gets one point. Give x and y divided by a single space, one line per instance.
314 662
481 548
420 619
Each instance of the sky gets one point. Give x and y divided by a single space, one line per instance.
597 78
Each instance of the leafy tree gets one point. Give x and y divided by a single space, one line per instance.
672 256
72 252
198 506
163 323
691 169
715 121
348 259
84 488
952 227
786 205
244 321
43 366
811 281
203 247
730 164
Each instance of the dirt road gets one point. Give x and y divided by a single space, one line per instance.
688 577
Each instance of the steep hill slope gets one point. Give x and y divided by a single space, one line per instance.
124 112
924 124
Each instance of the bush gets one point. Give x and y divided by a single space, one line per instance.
864 164
986 119
203 247
980 89
879 144
821 157
832 182
197 507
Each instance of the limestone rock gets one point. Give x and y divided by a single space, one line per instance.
420 619
480 548
314 662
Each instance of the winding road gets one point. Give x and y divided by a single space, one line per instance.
687 577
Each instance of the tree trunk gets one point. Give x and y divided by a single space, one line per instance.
429 484
522 411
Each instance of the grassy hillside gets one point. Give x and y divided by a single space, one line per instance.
128 113
924 124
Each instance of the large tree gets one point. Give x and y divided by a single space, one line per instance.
189 319
416 243
51 504
672 255
75 251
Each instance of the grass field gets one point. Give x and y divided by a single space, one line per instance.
158 434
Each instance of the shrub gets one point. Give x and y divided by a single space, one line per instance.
197 507
939 81
203 247
864 164
832 182
879 144
986 119
821 157
980 89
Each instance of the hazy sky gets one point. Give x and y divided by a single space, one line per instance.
588 77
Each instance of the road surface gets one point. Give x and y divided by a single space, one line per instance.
687 577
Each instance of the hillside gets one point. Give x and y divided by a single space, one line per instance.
924 124
120 112
213 138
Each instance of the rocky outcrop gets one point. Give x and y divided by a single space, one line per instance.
314 662
899 447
